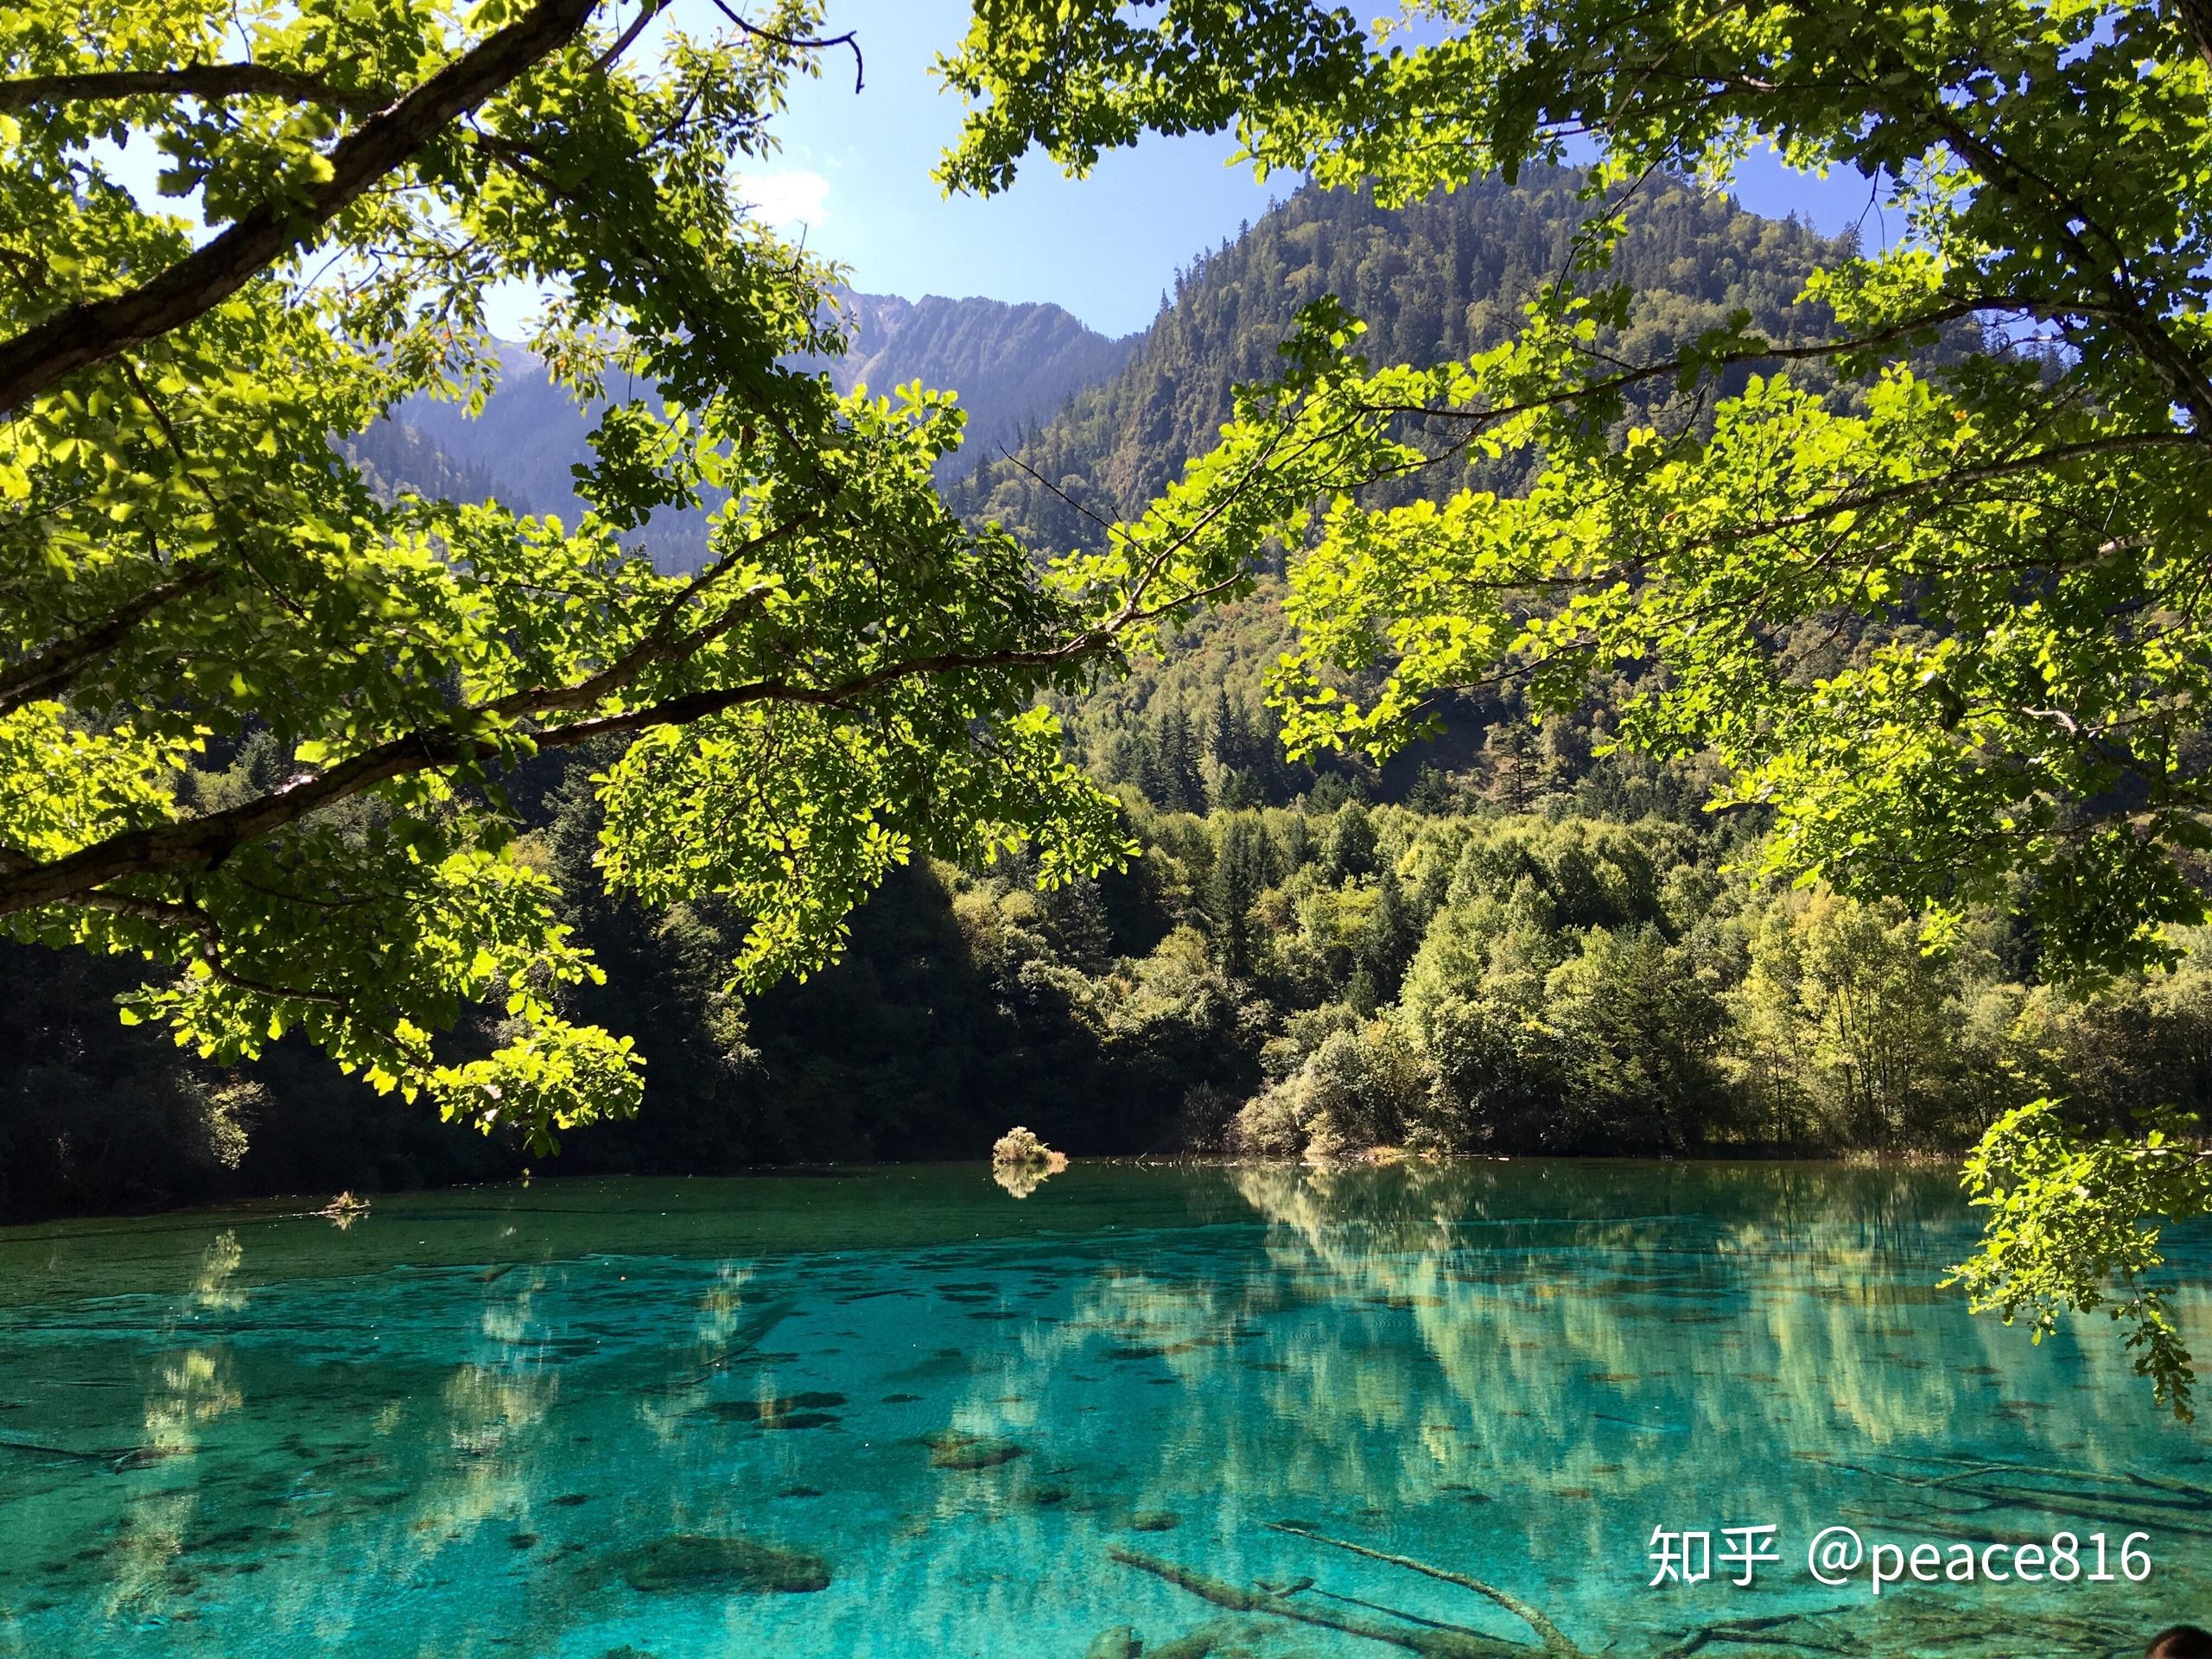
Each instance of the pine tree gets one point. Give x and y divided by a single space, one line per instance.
1182 779
1387 944
1076 916
1362 995
1239 876
1508 757
1226 732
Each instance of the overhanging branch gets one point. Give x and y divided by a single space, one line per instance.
158 849
49 672
208 82
94 331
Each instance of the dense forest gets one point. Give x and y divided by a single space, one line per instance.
1433 281
1544 956
1507 940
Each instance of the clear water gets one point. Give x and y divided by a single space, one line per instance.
500 1422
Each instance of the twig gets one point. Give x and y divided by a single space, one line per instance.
799 44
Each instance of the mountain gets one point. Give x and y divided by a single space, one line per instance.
1012 365
396 455
1439 279
524 441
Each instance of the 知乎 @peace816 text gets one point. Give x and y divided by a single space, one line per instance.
1840 1555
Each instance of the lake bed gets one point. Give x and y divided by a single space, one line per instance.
893 1412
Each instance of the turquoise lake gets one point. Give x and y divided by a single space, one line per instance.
896 1412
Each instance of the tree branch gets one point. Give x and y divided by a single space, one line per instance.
1983 473
2196 17
26 885
194 919
94 331
2184 379
661 642
208 82
49 672
1673 366
797 44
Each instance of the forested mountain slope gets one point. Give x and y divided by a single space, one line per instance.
395 455
1439 279
1014 365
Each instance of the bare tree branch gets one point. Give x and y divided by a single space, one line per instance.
797 44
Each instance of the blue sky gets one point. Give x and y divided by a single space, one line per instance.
852 178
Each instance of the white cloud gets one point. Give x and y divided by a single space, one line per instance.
790 200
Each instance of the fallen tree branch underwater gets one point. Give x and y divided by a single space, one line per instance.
1552 1639
1430 1643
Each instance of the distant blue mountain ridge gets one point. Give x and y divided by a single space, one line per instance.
1013 366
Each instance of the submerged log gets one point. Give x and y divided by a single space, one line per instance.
2110 1500
1308 1587
1218 1637
696 1562
1767 1630
1552 1639
1428 1642
743 1341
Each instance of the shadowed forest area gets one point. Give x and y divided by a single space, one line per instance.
1540 956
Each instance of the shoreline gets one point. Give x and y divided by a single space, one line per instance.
310 1205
